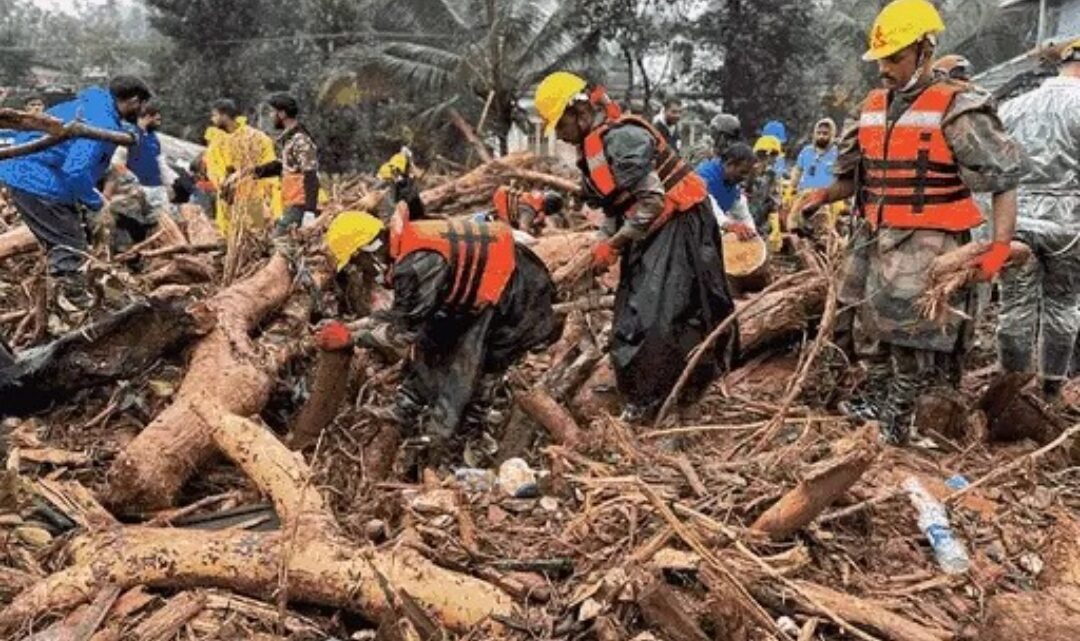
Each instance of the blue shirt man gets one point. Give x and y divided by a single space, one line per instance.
48 186
814 167
723 178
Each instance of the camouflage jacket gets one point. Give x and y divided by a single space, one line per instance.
297 151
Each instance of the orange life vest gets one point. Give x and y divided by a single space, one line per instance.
292 189
507 202
912 180
683 188
480 255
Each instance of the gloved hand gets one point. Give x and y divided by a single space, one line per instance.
810 202
991 262
332 336
603 255
742 231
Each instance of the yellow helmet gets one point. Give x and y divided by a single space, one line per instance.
900 24
399 163
768 144
554 94
350 232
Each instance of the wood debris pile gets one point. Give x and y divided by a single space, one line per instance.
217 476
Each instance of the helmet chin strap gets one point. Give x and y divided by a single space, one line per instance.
923 55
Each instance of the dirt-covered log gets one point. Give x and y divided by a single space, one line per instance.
17 240
778 315
308 558
546 411
226 371
820 487
329 385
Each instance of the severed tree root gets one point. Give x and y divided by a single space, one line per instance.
226 371
309 557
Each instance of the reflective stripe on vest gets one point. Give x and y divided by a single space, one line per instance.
683 188
912 180
480 255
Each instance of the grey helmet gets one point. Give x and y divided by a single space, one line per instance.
725 125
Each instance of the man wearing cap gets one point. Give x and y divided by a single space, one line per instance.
1040 299
918 150
814 168
659 225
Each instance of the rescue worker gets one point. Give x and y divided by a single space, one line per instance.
953 67
397 174
766 190
145 162
667 122
672 290
53 189
726 130
235 149
526 210
468 301
297 164
776 129
918 150
724 179
34 105
814 170
1040 299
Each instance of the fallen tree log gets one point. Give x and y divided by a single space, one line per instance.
227 371
553 417
117 347
307 560
329 385
820 487
17 240
56 131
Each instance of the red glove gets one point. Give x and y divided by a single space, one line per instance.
603 255
991 262
333 336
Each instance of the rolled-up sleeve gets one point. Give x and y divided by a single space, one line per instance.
990 160
631 153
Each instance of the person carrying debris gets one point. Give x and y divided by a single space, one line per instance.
297 164
468 302
918 150
54 189
724 179
234 150
1040 299
672 289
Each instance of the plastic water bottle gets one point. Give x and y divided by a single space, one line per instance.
934 522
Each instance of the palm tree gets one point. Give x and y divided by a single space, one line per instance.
476 57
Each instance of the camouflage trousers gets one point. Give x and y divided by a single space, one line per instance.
1040 305
884 274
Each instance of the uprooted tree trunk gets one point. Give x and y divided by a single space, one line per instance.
308 560
226 371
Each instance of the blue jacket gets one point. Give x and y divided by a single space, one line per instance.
725 193
142 159
67 173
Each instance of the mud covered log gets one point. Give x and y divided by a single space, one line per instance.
117 347
329 386
17 240
1051 615
320 565
778 315
864 613
226 371
552 416
820 487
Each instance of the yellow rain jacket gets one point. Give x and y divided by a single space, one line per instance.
243 149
